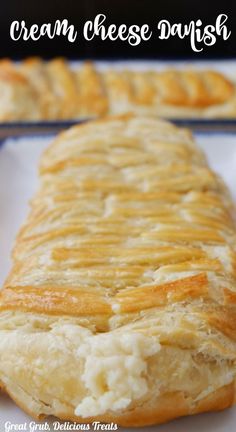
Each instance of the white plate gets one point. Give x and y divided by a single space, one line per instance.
18 181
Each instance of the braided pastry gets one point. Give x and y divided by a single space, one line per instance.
37 90
121 302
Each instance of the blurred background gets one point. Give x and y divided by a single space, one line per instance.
118 12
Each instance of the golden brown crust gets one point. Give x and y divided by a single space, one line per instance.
64 92
91 95
166 408
63 87
19 100
121 298
51 300
159 410
34 70
192 89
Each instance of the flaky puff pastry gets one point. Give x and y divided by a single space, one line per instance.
120 306
18 100
56 90
171 93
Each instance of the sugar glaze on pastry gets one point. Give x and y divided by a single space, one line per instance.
120 306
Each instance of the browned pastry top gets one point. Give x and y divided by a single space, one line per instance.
59 91
120 305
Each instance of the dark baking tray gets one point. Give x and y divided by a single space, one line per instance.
29 128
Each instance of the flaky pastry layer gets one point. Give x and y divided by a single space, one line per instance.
120 305
37 90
